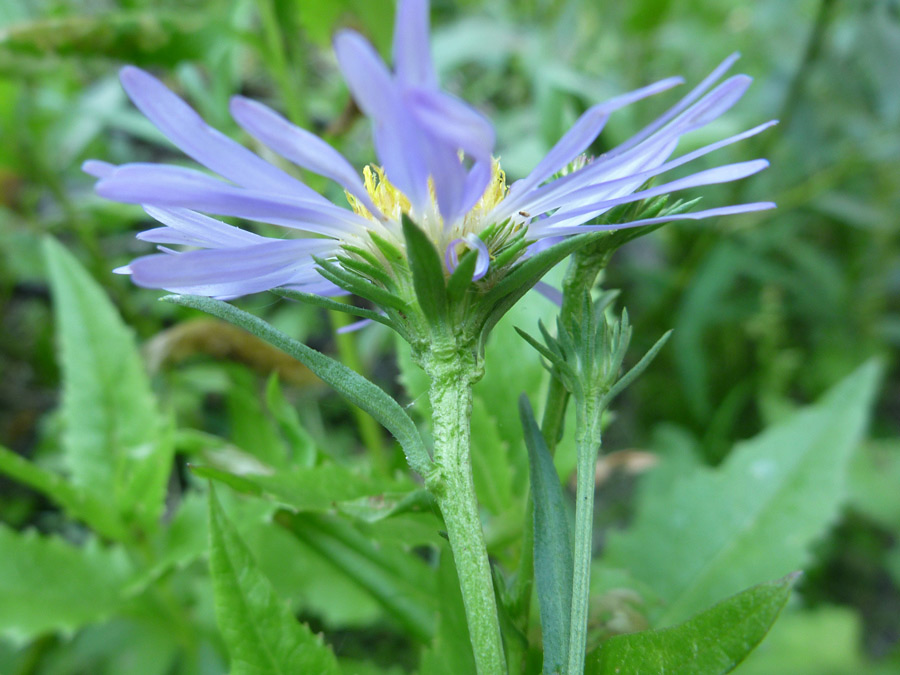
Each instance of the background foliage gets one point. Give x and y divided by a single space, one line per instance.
105 543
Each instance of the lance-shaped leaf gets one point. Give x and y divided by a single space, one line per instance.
774 496
710 643
261 633
116 445
350 384
553 561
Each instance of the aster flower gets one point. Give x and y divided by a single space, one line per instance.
436 167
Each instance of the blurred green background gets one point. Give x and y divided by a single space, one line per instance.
769 309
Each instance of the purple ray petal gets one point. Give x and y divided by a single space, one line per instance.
696 215
170 186
299 146
476 183
452 121
199 229
397 139
721 174
412 55
575 141
400 148
556 194
473 242
714 104
210 147
679 107
552 293
353 327
229 272
369 79
98 169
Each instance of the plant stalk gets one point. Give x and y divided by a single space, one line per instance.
587 444
452 483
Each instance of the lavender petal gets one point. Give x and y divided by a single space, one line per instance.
210 147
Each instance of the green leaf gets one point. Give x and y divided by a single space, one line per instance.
553 561
78 503
703 533
403 584
260 632
46 584
461 278
811 642
139 38
450 653
316 489
250 428
353 386
116 445
710 643
874 478
302 445
427 272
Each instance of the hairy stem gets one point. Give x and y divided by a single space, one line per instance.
451 401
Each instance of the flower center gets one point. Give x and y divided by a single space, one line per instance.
393 204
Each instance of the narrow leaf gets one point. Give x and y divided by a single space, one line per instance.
636 370
350 384
712 642
260 632
427 272
553 561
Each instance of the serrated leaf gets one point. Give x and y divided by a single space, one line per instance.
353 386
46 584
553 547
261 634
427 272
77 503
116 445
710 643
708 532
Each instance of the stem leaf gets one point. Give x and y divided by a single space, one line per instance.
712 642
260 631
553 561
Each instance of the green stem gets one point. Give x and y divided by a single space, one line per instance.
369 429
451 401
587 444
